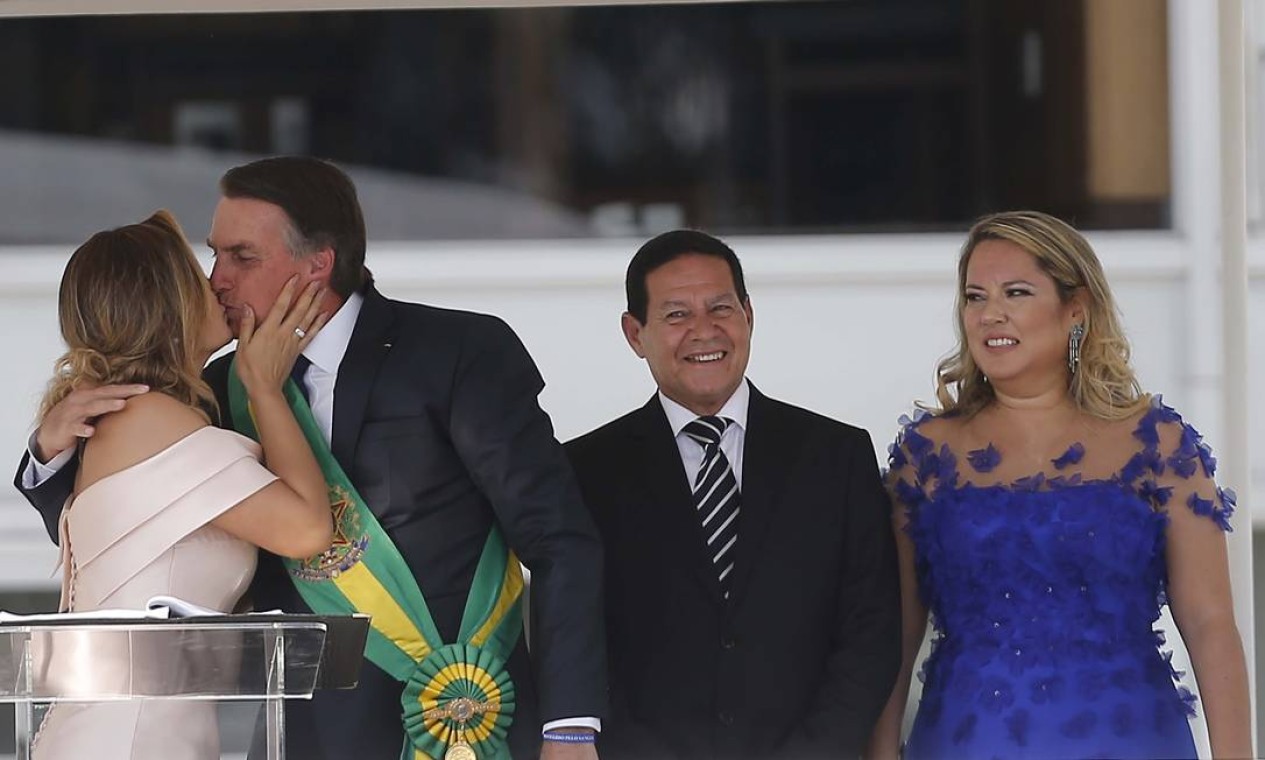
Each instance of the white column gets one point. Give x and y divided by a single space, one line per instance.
1193 112
1235 471
1208 155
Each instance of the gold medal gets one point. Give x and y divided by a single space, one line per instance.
460 750
460 711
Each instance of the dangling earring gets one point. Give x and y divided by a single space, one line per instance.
1074 347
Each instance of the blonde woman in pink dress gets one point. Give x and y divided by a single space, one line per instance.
165 502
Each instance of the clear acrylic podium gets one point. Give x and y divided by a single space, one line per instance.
268 658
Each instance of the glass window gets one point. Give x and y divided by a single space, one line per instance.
783 117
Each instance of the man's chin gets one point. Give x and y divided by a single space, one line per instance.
705 399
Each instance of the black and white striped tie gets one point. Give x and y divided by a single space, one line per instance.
716 497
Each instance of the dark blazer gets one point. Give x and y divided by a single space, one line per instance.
436 423
801 660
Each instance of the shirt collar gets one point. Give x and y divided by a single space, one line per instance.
735 409
330 344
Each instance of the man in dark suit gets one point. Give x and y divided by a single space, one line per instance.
432 414
752 604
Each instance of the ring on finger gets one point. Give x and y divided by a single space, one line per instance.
300 333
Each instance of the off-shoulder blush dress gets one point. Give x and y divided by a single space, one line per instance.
140 532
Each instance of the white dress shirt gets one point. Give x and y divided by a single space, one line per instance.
326 352
730 441
37 472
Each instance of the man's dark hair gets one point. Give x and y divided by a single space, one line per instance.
661 249
320 200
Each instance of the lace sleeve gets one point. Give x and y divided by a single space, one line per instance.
914 465
1183 467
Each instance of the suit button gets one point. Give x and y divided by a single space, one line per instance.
726 719
728 643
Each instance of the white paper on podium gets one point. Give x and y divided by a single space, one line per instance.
160 607
158 613
183 608
179 608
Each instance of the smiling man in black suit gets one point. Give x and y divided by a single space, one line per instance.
752 603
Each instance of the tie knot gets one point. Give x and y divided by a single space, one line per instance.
301 363
706 431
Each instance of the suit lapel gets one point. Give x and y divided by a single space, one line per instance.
671 504
369 345
770 449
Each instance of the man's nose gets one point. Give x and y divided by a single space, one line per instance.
218 280
703 325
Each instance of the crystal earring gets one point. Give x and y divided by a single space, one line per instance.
1074 347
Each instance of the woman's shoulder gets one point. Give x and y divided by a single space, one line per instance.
1159 426
152 415
922 439
147 425
928 425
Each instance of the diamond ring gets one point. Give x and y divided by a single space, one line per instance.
300 333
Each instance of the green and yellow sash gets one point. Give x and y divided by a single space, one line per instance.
458 698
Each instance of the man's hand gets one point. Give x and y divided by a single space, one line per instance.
568 750
72 417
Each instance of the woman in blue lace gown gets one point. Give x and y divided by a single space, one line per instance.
1045 514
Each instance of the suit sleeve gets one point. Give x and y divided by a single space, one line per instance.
48 497
623 737
865 657
506 442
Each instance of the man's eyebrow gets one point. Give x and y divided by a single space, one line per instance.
234 248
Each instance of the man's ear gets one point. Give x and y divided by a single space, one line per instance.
319 265
632 333
746 306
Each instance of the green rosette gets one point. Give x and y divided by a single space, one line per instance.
460 692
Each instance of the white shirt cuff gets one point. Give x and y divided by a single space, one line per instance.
584 722
36 472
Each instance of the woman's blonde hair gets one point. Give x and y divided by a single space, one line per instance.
131 307
1104 384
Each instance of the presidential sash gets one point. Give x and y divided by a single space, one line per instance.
458 699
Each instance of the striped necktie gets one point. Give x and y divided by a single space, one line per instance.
716 497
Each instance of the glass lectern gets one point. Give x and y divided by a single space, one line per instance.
269 658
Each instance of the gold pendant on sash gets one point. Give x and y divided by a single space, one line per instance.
460 750
461 711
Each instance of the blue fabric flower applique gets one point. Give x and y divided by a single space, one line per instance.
984 460
1074 454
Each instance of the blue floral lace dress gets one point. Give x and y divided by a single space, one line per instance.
1043 591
